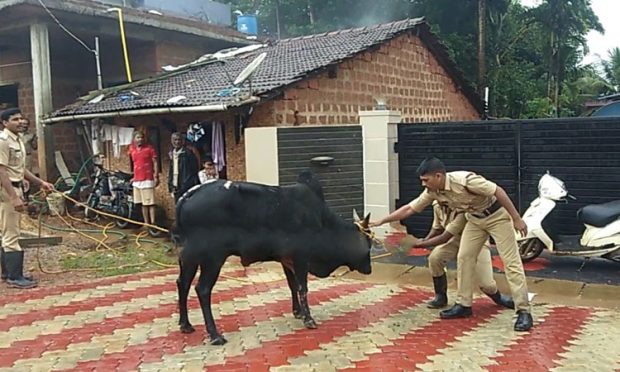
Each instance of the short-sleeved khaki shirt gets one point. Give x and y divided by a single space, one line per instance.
447 219
464 192
12 155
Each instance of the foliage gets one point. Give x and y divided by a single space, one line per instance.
130 259
532 55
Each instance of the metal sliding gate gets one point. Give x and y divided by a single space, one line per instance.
583 152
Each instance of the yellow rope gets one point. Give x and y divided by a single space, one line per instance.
112 215
140 235
101 242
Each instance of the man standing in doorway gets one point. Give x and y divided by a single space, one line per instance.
489 212
13 172
183 170
143 162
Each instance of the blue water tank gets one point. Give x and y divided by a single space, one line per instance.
248 24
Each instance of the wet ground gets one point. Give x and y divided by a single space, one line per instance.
130 323
578 269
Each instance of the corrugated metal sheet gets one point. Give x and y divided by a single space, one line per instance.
583 152
343 179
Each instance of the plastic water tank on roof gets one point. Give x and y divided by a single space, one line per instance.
248 24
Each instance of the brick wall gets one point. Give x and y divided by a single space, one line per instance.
403 71
169 53
181 121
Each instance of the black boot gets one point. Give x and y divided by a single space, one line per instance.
3 265
456 311
500 299
441 292
524 321
15 266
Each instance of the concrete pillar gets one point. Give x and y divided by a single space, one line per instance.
261 155
380 133
42 92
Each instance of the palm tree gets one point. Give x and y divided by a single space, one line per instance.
567 24
612 68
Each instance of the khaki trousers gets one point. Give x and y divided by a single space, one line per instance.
498 225
442 254
10 223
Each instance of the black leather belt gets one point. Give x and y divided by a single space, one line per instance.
489 211
17 184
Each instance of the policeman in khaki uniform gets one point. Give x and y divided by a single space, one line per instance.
489 212
12 174
445 236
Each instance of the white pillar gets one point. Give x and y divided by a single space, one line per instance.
42 93
380 133
261 155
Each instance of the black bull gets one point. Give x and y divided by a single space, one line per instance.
291 225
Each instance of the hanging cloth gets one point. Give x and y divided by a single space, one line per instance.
217 146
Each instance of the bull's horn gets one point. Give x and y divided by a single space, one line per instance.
356 216
366 221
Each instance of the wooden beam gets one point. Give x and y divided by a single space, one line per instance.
46 240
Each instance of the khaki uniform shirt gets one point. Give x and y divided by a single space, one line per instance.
12 155
464 192
447 219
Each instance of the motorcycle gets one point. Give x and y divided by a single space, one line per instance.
111 193
601 237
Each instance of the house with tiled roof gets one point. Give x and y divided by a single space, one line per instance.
47 56
323 79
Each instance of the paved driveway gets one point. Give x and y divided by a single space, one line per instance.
578 269
130 323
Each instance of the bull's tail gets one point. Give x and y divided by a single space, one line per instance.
176 232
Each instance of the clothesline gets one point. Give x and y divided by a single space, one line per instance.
120 136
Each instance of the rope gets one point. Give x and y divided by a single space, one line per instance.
112 215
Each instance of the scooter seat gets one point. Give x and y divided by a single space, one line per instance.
599 215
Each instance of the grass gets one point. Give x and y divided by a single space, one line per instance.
125 260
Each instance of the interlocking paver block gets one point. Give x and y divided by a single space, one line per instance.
131 324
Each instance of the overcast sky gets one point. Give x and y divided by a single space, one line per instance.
607 12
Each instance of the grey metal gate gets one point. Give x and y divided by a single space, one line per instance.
584 152
334 154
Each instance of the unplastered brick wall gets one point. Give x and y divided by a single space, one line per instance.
169 53
181 122
403 71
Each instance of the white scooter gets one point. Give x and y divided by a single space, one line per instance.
601 237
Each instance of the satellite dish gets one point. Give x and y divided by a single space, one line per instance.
249 69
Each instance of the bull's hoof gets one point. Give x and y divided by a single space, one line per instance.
187 328
218 340
298 314
310 323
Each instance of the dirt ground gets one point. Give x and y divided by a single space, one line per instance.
45 262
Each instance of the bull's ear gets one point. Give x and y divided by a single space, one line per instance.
366 221
356 216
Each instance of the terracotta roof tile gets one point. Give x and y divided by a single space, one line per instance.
287 62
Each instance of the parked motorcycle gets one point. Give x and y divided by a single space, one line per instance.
601 237
111 193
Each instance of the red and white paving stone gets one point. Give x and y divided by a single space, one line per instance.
130 324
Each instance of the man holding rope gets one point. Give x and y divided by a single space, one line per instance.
12 174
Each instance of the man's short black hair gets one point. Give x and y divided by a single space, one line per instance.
6 114
431 165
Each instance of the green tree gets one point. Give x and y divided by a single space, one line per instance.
566 24
612 69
